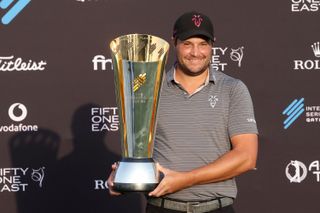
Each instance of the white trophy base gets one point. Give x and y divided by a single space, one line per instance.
136 175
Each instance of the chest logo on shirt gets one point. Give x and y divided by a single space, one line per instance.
213 100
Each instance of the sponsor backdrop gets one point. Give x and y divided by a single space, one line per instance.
59 122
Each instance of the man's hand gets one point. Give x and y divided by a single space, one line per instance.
172 181
111 179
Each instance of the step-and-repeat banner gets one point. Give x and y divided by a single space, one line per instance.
59 124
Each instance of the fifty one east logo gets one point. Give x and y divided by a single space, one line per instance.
221 57
297 109
104 119
310 63
12 8
19 179
305 5
18 112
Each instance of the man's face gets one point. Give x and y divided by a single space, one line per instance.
193 55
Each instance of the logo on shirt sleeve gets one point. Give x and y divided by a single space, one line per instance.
251 120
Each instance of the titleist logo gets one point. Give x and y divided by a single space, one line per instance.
9 63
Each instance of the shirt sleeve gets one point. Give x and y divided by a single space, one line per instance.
241 114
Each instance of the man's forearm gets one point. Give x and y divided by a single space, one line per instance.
227 166
240 159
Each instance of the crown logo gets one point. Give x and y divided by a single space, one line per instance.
316 49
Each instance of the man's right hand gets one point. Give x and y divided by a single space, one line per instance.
111 179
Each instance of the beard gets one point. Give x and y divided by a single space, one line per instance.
188 72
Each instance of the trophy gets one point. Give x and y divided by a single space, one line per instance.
138 62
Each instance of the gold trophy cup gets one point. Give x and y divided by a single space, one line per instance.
139 62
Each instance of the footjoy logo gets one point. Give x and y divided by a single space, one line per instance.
100 63
305 5
293 111
309 64
297 171
13 11
219 54
18 112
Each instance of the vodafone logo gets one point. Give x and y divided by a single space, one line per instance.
17 113
17 116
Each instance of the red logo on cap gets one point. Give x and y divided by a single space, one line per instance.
197 20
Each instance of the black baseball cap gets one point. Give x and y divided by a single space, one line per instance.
193 24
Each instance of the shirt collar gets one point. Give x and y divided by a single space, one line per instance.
171 76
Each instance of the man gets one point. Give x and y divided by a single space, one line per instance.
206 133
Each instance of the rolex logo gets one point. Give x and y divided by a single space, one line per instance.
309 64
316 49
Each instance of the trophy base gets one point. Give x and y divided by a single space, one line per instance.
136 175
134 187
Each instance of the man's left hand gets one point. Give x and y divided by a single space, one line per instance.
172 181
